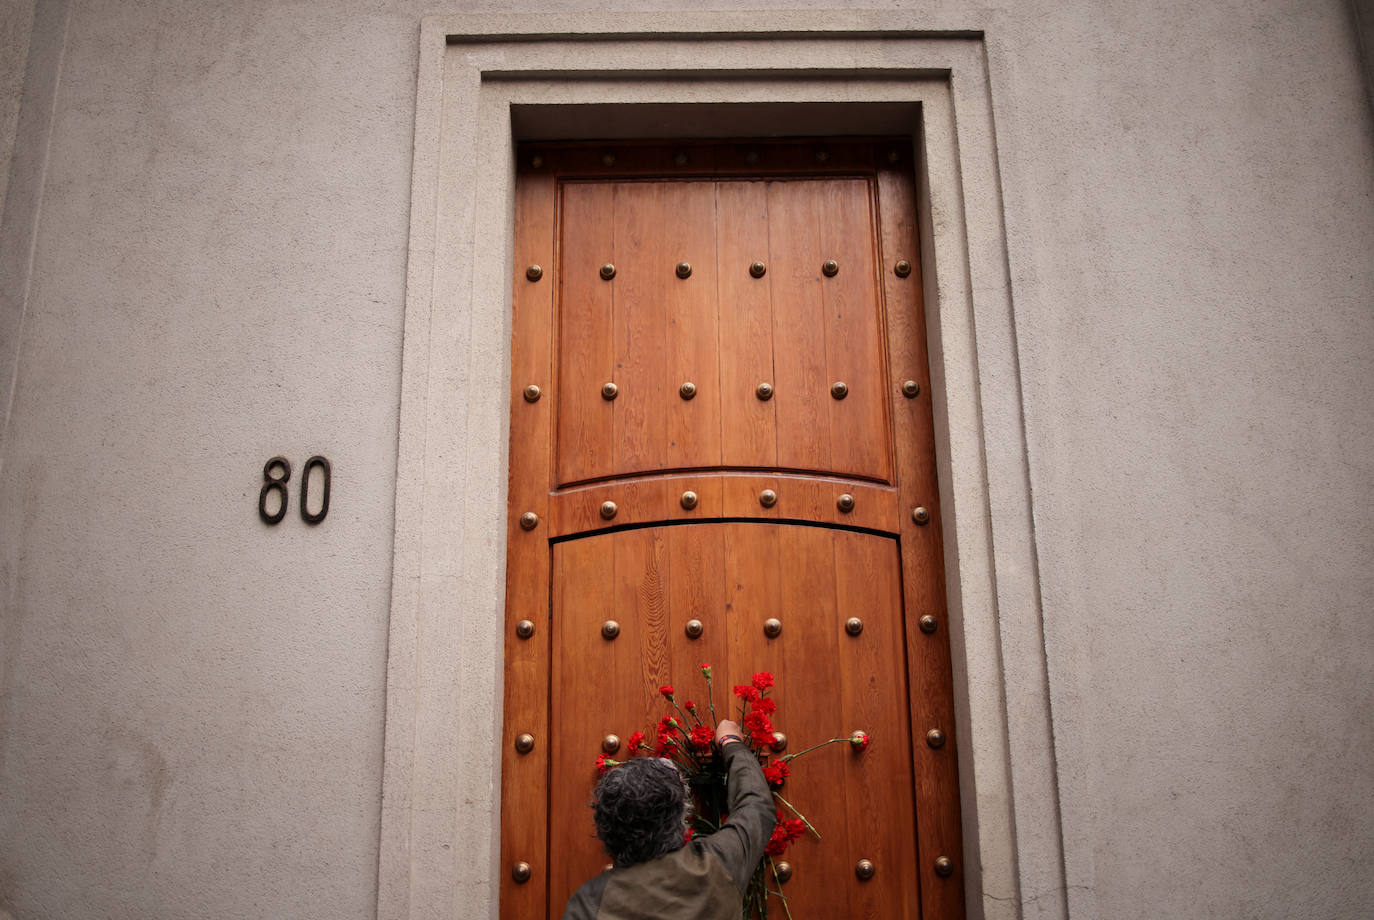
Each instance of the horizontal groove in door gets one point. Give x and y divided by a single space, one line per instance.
795 522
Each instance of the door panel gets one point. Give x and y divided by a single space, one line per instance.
585 349
794 246
648 330
653 509
853 338
692 325
829 684
748 426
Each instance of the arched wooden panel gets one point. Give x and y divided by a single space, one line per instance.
732 577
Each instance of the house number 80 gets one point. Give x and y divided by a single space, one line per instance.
276 473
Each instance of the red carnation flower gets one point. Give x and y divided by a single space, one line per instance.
667 691
776 772
763 680
758 721
746 692
603 764
859 741
636 741
760 729
689 705
706 671
687 837
784 832
766 706
702 736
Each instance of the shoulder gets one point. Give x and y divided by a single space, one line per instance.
689 882
586 901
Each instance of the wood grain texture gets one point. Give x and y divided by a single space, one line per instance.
523 777
811 710
859 428
644 274
877 783
802 390
748 425
696 557
923 570
691 309
585 356
583 705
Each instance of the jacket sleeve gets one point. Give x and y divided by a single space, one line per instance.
740 841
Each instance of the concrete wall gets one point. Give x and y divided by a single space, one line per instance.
204 256
16 24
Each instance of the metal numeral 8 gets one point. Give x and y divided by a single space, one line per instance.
277 484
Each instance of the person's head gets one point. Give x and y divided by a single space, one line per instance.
641 810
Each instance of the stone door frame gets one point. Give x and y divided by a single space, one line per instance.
486 79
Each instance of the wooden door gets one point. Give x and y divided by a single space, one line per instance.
720 413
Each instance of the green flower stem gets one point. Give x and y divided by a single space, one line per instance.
812 748
749 903
711 702
792 808
685 752
686 722
772 867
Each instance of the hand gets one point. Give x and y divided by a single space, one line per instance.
727 727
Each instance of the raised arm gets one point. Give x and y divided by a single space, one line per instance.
740 841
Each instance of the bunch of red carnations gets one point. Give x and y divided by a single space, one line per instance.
687 735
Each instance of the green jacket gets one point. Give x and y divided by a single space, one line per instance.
706 878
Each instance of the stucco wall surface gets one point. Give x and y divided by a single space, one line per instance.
210 268
1191 219
16 23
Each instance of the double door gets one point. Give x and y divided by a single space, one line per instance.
722 452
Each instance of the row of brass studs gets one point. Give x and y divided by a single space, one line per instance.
772 628
865 869
767 498
524 742
751 156
764 391
694 628
757 269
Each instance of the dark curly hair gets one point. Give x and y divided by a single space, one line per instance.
641 810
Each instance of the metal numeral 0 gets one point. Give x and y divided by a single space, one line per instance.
310 464
277 484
